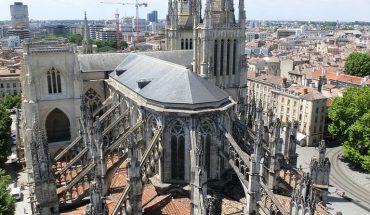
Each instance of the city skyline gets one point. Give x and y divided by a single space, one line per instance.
315 10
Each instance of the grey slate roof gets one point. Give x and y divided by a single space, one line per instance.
169 83
109 61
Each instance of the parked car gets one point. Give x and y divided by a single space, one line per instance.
14 157
16 193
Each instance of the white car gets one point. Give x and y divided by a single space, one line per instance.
16 193
14 157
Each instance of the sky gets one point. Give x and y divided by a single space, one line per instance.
305 10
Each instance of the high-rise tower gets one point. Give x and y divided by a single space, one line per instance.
19 14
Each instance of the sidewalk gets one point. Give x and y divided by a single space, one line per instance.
24 206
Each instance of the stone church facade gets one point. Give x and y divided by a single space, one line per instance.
177 118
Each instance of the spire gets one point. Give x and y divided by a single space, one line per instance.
208 14
86 45
86 29
242 18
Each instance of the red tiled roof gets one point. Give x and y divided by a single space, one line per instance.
331 74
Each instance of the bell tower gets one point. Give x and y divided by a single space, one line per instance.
179 26
220 39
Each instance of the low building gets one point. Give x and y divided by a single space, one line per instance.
10 42
255 36
94 31
9 81
106 34
281 33
266 65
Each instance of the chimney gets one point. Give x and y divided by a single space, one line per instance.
285 85
305 91
320 84
12 70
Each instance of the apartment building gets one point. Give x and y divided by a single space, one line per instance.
291 102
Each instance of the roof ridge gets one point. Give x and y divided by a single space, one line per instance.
163 61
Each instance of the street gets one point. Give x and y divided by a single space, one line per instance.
356 185
18 177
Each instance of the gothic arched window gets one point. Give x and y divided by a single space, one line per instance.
222 57
205 140
54 81
182 44
92 99
191 43
234 58
177 151
228 58
57 126
215 55
186 44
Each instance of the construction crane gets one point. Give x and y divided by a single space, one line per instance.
137 4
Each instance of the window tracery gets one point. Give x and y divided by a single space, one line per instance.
205 140
92 99
54 81
177 151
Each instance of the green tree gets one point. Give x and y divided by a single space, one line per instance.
124 44
75 38
7 202
5 124
358 64
10 101
350 116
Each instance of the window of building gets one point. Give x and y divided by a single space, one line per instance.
14 92
54 81
205 138
57 126
92 99
2 85
215 55
228 57
234 58
222 57
177 151
7 85
288 101
14 85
